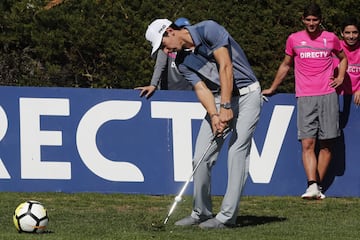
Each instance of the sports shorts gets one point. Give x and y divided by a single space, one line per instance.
318 116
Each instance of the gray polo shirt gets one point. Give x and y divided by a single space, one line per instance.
200 64
166 76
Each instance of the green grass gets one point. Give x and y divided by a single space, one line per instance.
121 216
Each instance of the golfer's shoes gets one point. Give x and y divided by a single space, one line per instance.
187 221
312 192
212 223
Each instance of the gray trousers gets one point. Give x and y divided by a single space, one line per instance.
246 110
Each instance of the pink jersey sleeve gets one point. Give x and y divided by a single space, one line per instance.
289 46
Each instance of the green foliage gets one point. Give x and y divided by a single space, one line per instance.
101 43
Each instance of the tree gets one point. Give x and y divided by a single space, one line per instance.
100 43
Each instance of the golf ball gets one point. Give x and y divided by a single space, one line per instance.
178 199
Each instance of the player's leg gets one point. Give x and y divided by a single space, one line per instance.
329 130
310 163
309 158
202 205
202 176
308 124
324 158
247 115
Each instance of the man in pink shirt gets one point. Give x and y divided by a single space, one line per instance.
311 52
351 45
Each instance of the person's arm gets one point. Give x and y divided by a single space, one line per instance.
338 80
280 75
223 60
159 68
207 99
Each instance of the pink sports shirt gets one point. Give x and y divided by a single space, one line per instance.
313 62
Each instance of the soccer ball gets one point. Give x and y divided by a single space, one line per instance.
30 217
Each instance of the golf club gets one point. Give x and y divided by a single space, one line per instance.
178 198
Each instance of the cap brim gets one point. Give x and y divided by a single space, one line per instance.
156 47
154 54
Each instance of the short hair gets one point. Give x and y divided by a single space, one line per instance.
175 27
312 9
350 21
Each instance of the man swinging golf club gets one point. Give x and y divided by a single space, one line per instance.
225 84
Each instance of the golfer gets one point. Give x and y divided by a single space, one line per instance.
228 89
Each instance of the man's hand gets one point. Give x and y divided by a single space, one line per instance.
221 121
218 126
357 98
146 91
335 82
268 92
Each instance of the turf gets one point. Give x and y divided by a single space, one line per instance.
122 216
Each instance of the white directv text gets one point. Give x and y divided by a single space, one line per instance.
261 166
89 125
32 138
180 113
4 174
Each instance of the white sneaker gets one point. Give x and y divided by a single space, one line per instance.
312 192
322 196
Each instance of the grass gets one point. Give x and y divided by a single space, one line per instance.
121 216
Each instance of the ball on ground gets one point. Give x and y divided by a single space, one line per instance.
30 217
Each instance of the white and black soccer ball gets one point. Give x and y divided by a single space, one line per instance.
30 217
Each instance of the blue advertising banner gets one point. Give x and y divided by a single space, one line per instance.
111 140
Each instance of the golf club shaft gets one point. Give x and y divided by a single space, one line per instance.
170 211
187 182
179 196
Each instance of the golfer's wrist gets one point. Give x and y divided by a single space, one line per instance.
214 115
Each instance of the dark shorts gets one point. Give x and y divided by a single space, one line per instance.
318 117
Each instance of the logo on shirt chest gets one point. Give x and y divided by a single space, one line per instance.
304 43
314 54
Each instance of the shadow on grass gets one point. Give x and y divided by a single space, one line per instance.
248 221
241 221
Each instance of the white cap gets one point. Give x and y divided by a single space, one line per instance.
155 32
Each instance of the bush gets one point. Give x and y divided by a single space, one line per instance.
101 44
